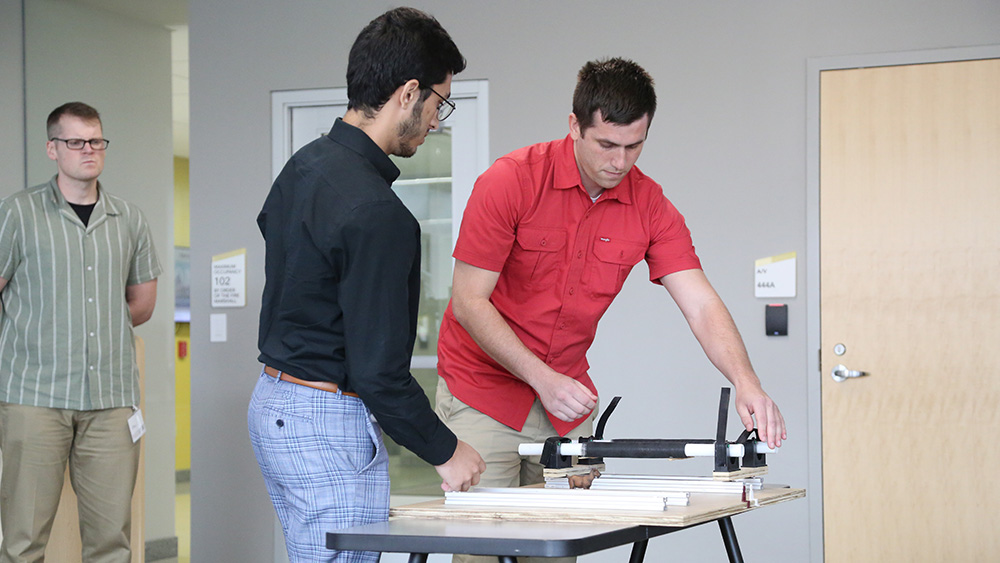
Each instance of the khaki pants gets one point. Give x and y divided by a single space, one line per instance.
37 443
497 443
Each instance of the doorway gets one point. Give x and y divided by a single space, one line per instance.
903 224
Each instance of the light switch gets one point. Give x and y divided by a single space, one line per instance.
217 327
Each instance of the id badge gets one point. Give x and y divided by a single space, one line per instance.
135 424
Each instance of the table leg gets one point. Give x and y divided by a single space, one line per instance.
638 551
729 538
418 558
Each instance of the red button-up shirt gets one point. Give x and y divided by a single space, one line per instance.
562 259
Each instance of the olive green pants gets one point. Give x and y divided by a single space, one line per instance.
36 444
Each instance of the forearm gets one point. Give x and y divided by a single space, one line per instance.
491 332
715 330
564 397
139 314
141 299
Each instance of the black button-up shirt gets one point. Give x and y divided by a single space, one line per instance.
343 283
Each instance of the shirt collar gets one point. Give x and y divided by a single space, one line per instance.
567 174
103 203
358 141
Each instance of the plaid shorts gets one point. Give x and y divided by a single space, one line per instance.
323 462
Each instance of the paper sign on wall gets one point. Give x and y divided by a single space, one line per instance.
229 280
775 276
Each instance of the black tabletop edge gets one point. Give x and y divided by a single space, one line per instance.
491 544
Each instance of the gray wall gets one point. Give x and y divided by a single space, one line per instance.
728 143
126 76
11 96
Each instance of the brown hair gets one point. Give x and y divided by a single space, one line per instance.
76 109
619 88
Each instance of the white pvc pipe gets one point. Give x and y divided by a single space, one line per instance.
690 450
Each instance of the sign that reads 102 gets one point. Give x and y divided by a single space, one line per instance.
229 279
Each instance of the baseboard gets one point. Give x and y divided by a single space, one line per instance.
163 548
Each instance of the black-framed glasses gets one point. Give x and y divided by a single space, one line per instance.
77 144
445 108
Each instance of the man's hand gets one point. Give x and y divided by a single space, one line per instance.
770 424
463 469
566 398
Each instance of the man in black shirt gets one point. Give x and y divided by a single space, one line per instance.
338 314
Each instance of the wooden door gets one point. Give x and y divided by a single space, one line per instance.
910 286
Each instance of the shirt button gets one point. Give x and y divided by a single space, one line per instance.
91 368
562 325
571 291
92 334
89 268
90 300
543 242
579 254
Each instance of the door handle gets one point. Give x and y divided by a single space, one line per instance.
841 373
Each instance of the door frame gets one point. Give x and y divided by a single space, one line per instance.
815 66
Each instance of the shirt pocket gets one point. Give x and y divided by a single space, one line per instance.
537 256
613 260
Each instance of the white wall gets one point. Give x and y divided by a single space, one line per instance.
728 143
122 68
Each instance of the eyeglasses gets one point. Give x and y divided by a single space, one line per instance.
77 144
445 108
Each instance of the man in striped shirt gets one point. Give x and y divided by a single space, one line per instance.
77 271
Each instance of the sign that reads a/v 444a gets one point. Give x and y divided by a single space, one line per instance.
775 276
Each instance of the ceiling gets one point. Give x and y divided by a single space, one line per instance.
172 14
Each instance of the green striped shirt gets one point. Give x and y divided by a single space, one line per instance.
65 328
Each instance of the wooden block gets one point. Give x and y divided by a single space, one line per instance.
744 473
574 470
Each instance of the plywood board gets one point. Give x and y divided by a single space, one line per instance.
703 507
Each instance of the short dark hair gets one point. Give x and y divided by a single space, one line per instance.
400 45
619 88
76 109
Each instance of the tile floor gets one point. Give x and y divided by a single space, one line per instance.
182 523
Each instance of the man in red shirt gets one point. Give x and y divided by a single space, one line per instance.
549 235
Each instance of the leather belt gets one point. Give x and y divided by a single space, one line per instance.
321 385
